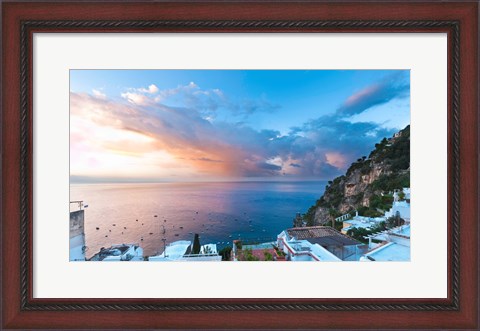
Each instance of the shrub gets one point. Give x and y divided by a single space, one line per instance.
248 256
226 253
268 256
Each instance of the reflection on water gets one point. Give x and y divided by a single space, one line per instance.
220 212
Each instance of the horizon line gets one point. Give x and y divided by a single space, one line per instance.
93 180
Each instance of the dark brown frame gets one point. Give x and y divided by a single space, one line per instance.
21 20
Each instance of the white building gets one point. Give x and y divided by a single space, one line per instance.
403 209
181 251
302 250
395 245
122 252
77 235
362 222
318 243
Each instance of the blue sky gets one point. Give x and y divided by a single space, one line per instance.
225 124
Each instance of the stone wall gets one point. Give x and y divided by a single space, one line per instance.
76 223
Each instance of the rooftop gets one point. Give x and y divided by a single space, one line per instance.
322 235
404 231
181 251
122 252
314 250
389 252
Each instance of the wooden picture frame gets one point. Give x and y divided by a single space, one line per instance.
20 20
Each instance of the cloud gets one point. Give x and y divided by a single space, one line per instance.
268 166
248 107
152 89
205 159
394 86
209 101
144 133
99 94
135 98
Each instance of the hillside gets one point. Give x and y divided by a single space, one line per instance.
368 182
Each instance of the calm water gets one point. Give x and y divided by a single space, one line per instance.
218 212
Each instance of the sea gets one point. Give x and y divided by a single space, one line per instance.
220 212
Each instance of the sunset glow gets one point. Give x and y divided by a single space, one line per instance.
184 125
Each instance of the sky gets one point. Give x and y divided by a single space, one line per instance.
221 125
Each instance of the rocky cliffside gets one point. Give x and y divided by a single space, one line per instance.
366 185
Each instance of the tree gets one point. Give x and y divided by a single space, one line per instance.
196 244
394 221
238 244
226 253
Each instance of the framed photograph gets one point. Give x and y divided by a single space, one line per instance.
293 165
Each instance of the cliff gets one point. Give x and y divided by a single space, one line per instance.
368 182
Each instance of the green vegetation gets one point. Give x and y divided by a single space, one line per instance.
268 256
338 225
309 216
360 233
391 182
397 155
394 221
207 250
392 158
383 202
226 253
196 244
278 251
368 212
238 244
248 256
362 164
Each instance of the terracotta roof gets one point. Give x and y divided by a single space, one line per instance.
322 235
